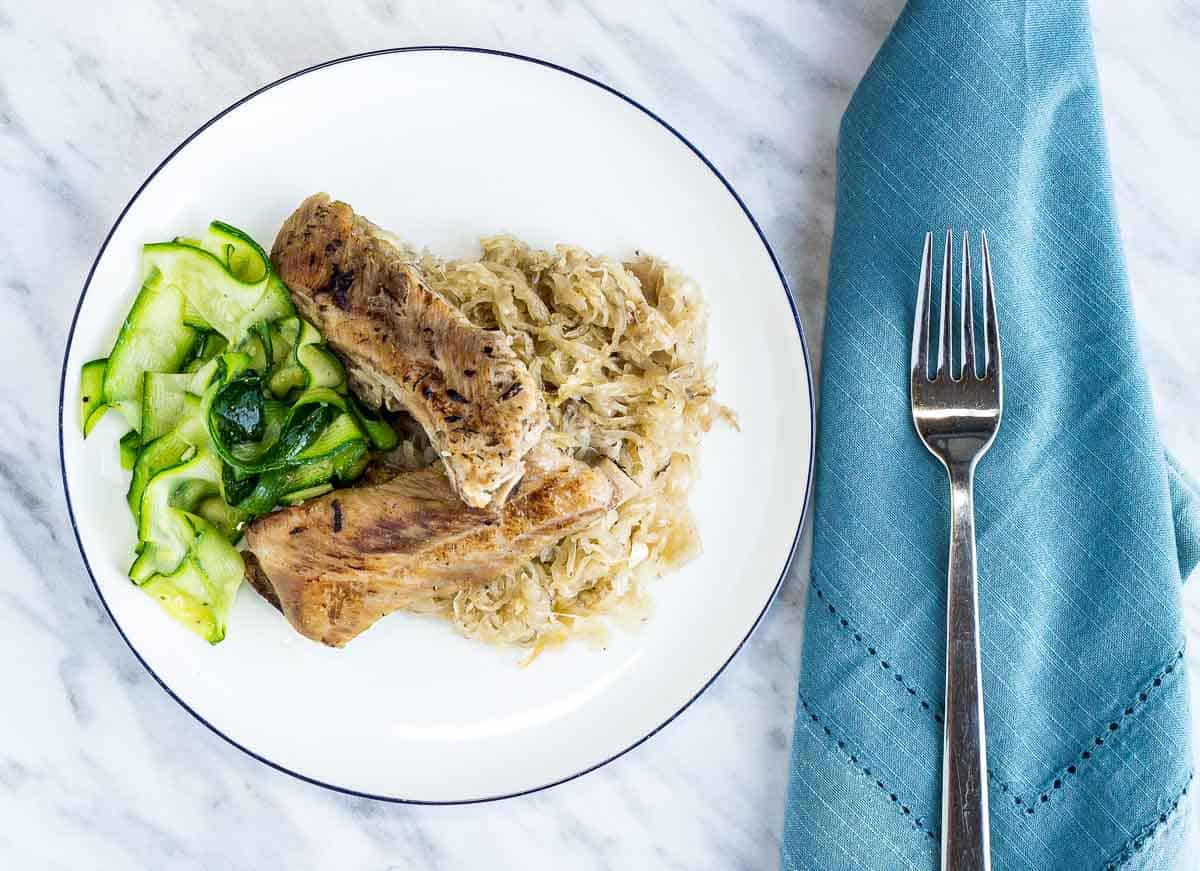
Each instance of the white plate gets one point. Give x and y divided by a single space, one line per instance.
443 146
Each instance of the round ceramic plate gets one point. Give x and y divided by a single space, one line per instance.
443 146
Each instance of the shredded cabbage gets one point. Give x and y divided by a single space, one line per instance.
618 349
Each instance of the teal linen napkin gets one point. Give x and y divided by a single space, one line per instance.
987 115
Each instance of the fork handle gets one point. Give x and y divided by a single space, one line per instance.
965 839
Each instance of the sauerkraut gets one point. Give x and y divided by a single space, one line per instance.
618 349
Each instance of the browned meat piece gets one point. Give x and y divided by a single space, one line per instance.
407 348
336 564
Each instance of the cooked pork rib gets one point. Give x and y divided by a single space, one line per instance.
336 564
407 348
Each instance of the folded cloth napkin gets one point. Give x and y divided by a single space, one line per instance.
987 115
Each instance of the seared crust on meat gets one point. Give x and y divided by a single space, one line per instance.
336 564
406 348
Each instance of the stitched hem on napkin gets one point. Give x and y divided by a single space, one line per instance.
814 722
1146 834
1054 781
1078 766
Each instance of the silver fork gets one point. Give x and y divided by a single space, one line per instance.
956 416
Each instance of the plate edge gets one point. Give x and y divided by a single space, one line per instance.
753 223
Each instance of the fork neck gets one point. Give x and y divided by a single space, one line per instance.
962 513
962 475
962 493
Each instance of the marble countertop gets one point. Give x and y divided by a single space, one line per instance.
99 769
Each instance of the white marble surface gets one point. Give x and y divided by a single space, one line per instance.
99 769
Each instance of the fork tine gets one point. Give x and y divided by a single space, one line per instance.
967 333
920 339
991 330
945 359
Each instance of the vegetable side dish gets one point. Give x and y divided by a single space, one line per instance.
234 406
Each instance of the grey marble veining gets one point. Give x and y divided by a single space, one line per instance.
99 768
